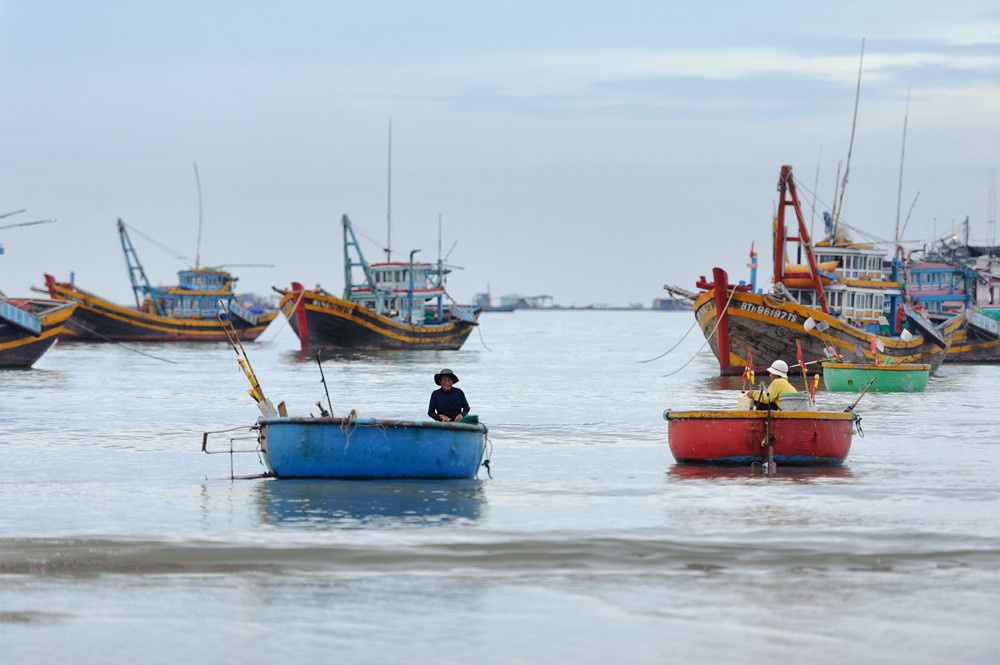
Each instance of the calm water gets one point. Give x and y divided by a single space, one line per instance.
121 542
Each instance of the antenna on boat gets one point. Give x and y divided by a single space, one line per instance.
812 207
11 226
991 210
902 154
850 147
197 251
388 204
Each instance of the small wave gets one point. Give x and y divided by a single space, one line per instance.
541 555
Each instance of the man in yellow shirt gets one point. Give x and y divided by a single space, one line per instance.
779 386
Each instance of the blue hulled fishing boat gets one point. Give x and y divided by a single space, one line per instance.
357 448
352 447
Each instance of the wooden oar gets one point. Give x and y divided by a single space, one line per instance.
851 407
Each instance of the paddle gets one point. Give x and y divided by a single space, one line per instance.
851 407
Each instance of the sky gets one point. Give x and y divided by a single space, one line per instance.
589 151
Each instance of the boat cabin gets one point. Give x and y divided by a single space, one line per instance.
860 290
402 290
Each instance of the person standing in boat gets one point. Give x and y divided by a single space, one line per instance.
771 398
448 403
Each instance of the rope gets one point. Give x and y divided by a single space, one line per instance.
674 346
348 426
284 319
481 340
718 321
775 300
488 453
79 326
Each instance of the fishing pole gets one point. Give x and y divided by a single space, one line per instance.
851 407
325 390
256 392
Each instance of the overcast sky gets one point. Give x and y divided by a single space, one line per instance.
591 151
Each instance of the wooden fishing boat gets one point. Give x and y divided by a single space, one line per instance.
797 438
955 277
978 341
385 306
187 312
844 315
29 327
365 448
854 377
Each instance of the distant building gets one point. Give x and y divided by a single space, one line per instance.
671 304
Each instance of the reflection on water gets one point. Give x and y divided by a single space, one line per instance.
795 473
389 358
385 503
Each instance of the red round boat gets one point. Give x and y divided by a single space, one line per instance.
798 438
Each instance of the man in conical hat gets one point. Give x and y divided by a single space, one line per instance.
448 403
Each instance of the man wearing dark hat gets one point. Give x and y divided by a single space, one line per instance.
448 403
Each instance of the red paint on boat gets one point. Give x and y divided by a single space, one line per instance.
802 438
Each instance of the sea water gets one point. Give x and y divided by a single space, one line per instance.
121 542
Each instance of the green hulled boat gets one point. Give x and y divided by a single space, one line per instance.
853 378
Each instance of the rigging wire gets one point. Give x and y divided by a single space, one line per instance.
176 254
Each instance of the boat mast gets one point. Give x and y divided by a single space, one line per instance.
850 147
786 186
197 252
991 210
136 274
902 154
388 204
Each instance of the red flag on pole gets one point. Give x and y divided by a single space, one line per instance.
748 370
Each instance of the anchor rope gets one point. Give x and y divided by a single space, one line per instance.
284 320
674 346
718 321
80 326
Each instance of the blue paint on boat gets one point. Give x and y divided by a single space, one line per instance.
298 447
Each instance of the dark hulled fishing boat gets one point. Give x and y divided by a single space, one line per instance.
29 327
385 306
187 312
